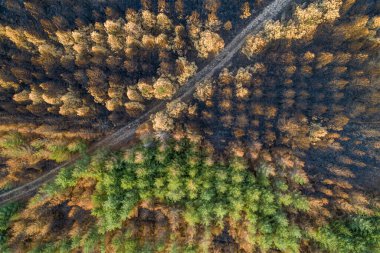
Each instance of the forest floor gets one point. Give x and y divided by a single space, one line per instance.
356 161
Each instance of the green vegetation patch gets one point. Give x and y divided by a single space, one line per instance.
6 213
34 148
184 176
357 233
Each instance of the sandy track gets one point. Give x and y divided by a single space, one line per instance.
184 94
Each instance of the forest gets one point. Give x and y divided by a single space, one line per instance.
127 126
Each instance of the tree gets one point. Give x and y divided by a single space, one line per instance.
81 45
162 122
22 74
162 42
209 43
245 10
146 89
114 104
179 44
115 31
204 91
17 37
134 109
225 77
35 94
22 96
162 6
243 76
134 95
184 70
179 6
164 23
97 84
175 108
52 93
163 88
65 38
228 26
148 42
338 122
8 81
323 59
194 24
146 4
148 20
71 102
6 213
254 45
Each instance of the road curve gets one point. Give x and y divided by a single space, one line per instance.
184 94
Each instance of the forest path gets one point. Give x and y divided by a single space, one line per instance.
185 93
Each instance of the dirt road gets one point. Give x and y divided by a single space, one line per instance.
185 93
